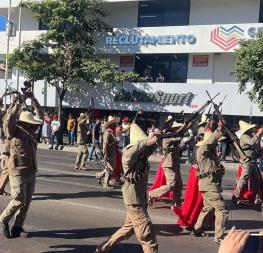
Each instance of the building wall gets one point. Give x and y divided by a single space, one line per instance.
122 14
223 65
205 12
201 74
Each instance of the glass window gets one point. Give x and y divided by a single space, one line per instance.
2 23
164 13
42 26
171 67
260 20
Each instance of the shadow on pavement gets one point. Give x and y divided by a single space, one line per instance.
169 230
243 205
84 233
245 224
127 248
77 195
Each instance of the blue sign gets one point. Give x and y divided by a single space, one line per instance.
2 23
151 40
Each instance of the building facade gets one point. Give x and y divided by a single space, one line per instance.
180 47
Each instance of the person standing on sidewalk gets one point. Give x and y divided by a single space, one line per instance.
82 142
55 128
96 132
210 176
22 164
136 170
71 125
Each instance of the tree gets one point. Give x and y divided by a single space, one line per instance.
249 69
65 54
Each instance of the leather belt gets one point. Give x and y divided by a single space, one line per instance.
207 174
135 179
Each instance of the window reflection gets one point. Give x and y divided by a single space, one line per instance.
164 13
166 67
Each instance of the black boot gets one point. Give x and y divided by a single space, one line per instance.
4 230
18 232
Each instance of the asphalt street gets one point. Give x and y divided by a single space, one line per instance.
71 213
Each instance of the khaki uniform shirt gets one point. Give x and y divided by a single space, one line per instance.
248 144
172 153
134 163
110 147
208 162
82 131
22 148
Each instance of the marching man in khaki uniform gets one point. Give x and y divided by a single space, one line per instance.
4 179
22 164
109 151
82 142
135 169
248 143
210 177
171 166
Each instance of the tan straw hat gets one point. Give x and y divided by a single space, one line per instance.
203 120
206 137
112 120
177 125
136 134
244 127
28 117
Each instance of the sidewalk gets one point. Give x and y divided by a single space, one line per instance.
228 164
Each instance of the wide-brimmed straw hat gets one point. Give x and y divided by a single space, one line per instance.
136 134
177 125
244 127
111 120
203 120
207 135
28 117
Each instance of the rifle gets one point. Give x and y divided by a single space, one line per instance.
232 137
168 124
190 122
213 114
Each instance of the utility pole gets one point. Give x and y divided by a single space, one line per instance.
19 43
7 46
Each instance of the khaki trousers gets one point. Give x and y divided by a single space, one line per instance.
249 171
213 201
174 183
139 223
22 189
82 156
4 179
